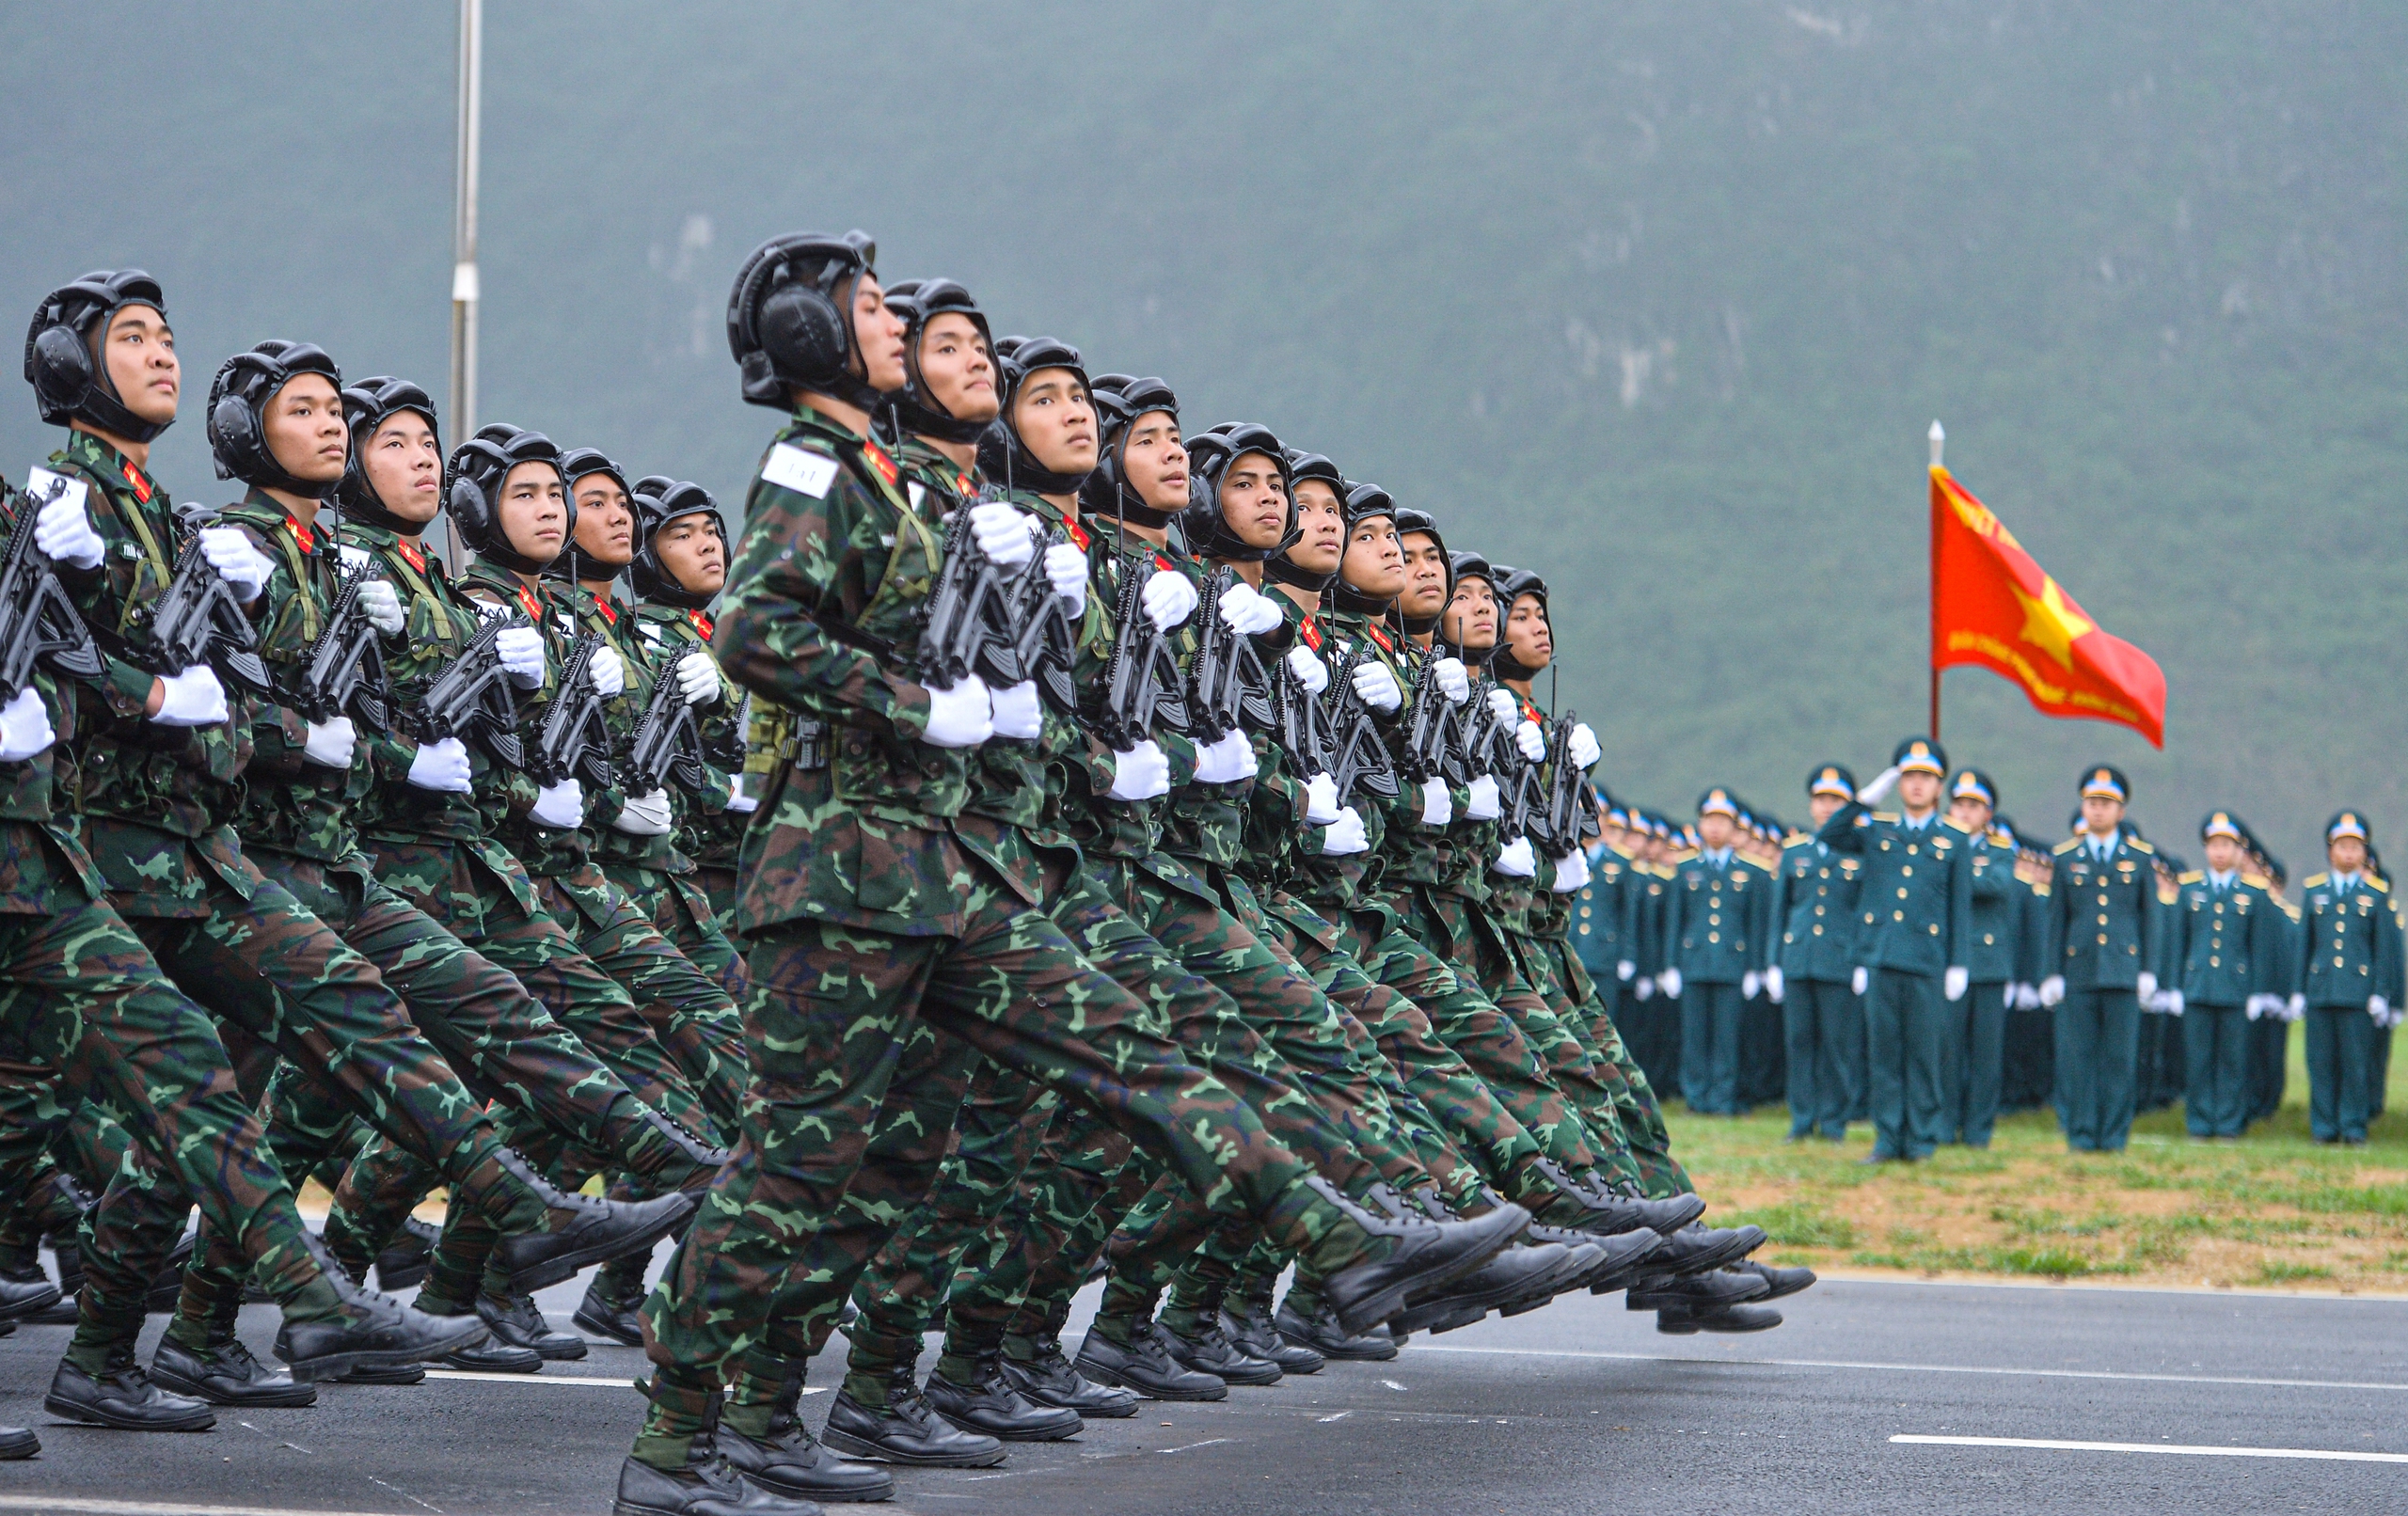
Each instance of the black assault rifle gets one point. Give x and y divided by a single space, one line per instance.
1141 682
572 741
958 633
344 671
1226 685
1037 622
1571 818
1430 736
666 745
1359 754
38 622
197 620
470 698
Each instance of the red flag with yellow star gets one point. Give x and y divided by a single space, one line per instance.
1993 607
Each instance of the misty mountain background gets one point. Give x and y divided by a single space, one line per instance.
1659 299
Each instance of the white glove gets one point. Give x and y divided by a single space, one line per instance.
645 816
1502 706
2027 997
2297 1008
961 716
1515 860
1345 836
1583 746
1953 982
2172 1001
441 765
1776 984
63 531
1001 530
1881 785
740 804
1376 685
1571 873
698 678
330 744
192 697
1531 741
520 650
24 727
1749 983
1321 799
1860 980
608 673
241 565
2379 1008
1247 610
2147 987
561 805
382 604
1140 773
1452 682
2258 1005
1169 598
1669 982
1485 804
1310 670
1017 711
1225 762
1438 806
1644 989
2053 989
1066 569
1625 971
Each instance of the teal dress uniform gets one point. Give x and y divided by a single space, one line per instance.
2350 954
2270 1036
1601 928
1822 1017
2030 1054
1914 910
1716 924
1972 1046
2222 953
1654 1035
2104 920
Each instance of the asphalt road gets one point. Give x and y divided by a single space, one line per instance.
1579 1407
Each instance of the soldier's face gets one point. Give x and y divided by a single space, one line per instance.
606 522
1919 792
533 513
140 358
1154 461
2223 854
1373 565
957 368
1970 813
405 466
1323 523
878 335
1821 806
1056 419
1254 501
694 552
1714 829
2347 854
1425 575
303 425
2101 814
1526 635
1470 621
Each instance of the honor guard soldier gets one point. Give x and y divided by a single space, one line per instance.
2104 920
2349 977
2226 943
1914 912
1973 1046
1718 920
1822 1018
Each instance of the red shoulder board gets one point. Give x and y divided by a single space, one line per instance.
1309 629
1077 534
411 555
140 480
610 613
702 624
300 533
1380 637
1530 710
963 486
1161 562
526 603
880 461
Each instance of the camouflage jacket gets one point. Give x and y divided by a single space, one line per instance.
43 870
603 616
708 832
1364 873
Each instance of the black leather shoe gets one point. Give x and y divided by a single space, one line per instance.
1610 1213
1422 1257
1250 1328
1706 1291
708 1485
406 1374
1210 1351
23 1296
225 1373
906 1430
1681 1322
1320 1333
1783 1281
1702 1249
1627 1255
490 1357
790 1462
123 1398
18 1441
579 1230
374 1330
1517 1274
1146 1366
1049 1380
608 1316
516 1322
989 1404
405 1258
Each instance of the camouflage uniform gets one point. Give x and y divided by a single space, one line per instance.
687 910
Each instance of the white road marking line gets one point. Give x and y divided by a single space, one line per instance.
1925 1368
1209 1442
1341 1416
148 1507
2323 1453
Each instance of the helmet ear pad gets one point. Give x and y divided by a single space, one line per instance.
472 509
62 367
235 431
802 330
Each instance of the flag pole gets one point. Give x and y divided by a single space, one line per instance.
465 293
1939 439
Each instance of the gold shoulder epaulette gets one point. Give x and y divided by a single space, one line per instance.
2289 909
2315 879
1950 822
2068 846
2259 880
1800 841
1890 816
2040 890
2380 887
2139 846
2191 878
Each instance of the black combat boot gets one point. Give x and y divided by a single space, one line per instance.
990 1403
224 1372
576 1231
516 1323
906 1430
1146 1366
123 1398
1049 1380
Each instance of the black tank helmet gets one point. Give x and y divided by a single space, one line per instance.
1003 457
1301 466
920 302
790 318
367 406
660 501
1209 456
1364 502
472 490
70 380
1119 401
1470 566
238 398
1511 584
572 565
1423 524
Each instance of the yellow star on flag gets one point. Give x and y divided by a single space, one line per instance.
2049 623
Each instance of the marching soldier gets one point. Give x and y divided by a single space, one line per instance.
2103 917
1822 1017
2349 979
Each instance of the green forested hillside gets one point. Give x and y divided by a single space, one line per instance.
1660 298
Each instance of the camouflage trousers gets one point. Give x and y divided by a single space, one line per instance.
1567 986
86 1016
684 912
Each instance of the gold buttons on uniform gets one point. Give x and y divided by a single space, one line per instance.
1714 936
